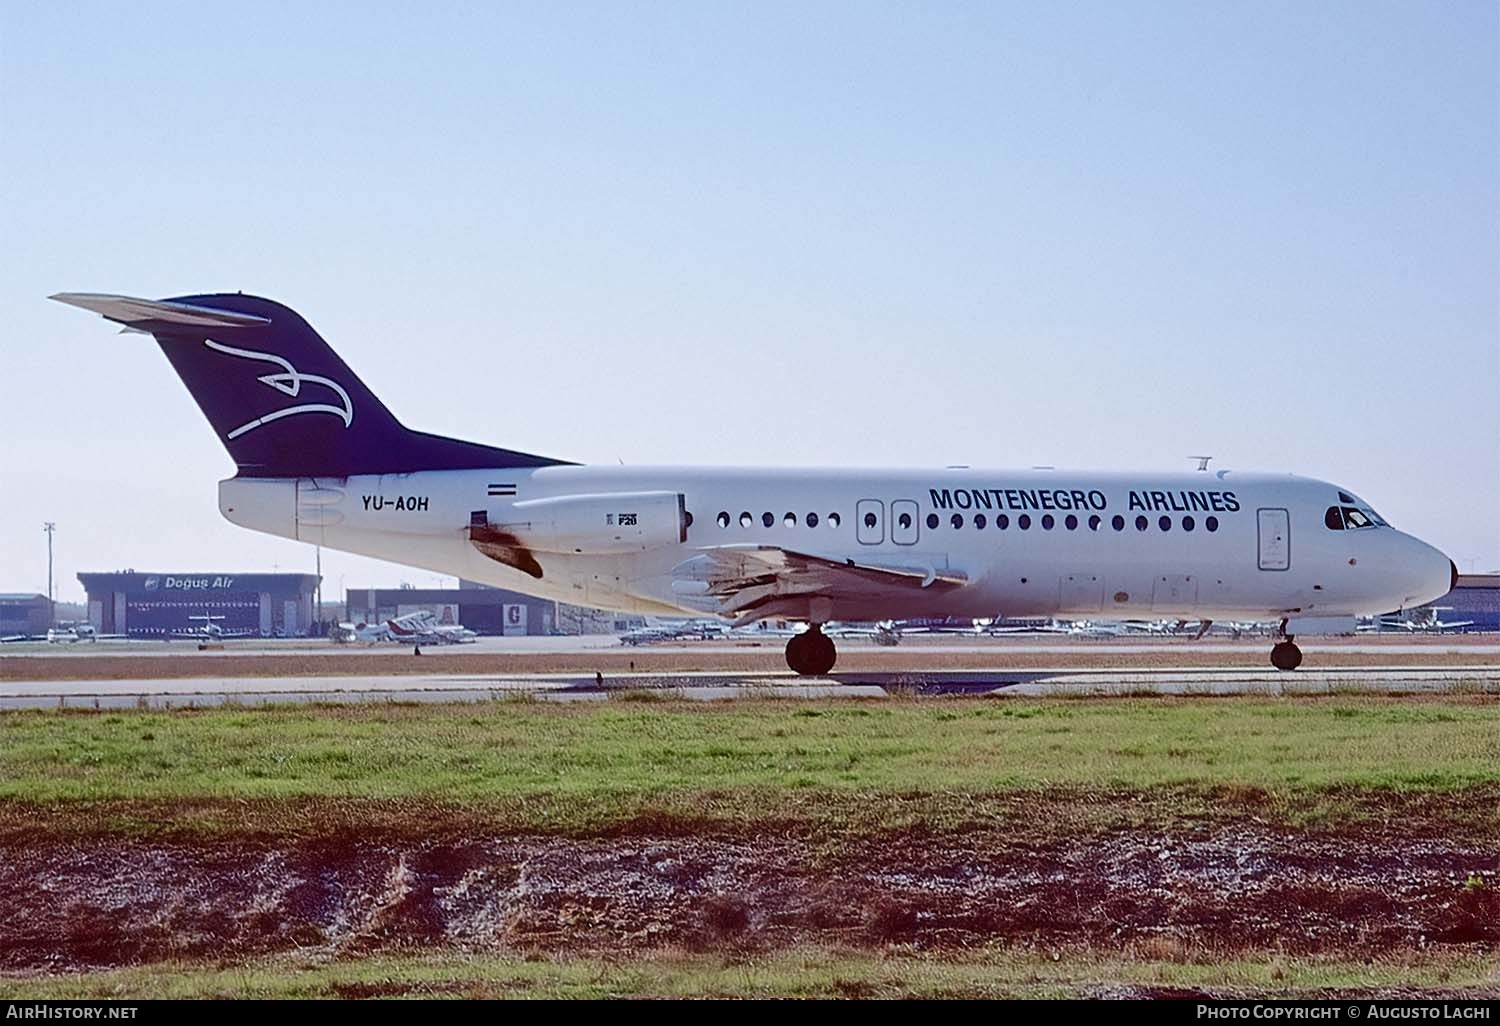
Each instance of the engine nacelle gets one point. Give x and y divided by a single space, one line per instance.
606 524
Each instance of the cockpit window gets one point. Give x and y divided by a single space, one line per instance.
1348 518
1351 514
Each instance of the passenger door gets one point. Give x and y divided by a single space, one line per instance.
1274 529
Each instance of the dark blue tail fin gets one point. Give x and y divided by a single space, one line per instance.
281 400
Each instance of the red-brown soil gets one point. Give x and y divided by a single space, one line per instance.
106 900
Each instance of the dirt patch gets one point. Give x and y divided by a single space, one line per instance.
75 903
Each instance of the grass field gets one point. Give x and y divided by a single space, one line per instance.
580 766
1002 973
1369 822
517 747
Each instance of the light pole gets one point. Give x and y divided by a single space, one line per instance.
49 527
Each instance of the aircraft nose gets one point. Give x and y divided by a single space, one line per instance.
1433 574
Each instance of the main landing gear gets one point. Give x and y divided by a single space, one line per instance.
811 653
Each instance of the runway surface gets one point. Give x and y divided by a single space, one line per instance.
1481 645
214 691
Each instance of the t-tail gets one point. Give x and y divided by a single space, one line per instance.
279 397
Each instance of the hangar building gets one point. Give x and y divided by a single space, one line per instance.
1476 598
482 609
157 605
25 613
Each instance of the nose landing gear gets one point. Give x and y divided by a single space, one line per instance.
811 653
1285 655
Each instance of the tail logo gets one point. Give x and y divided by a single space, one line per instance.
289 382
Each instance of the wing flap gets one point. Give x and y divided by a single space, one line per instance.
735 580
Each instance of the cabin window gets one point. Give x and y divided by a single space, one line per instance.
790 520
723 518
687 518
746 519
1212 524
834 520
768 518
932 521
980 521
957 520
1071 522
1117 522
1141 523
1094 522
905 521
1165 523
1024 521
1188 523
1002 521
870 520
812 520
1047 522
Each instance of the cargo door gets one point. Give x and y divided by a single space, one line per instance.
1081 593
1174 593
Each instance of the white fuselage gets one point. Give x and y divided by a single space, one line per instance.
1259 546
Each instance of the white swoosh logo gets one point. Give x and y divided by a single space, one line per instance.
289 382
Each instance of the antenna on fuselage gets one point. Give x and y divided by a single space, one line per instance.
1202 461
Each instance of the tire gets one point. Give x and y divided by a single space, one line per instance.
811 654
1286 656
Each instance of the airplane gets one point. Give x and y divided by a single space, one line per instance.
320 459
675 630
63 634
1095 629
347 633
421 627
887 633
71 634
1421 621
650 635
211 630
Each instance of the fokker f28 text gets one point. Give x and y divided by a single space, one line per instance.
321 460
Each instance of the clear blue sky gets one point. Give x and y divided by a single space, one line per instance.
1091 235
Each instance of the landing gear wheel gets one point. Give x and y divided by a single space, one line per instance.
811 653
1286 656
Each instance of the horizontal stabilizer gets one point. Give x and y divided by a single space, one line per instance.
139 313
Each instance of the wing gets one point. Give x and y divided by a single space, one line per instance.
748 582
